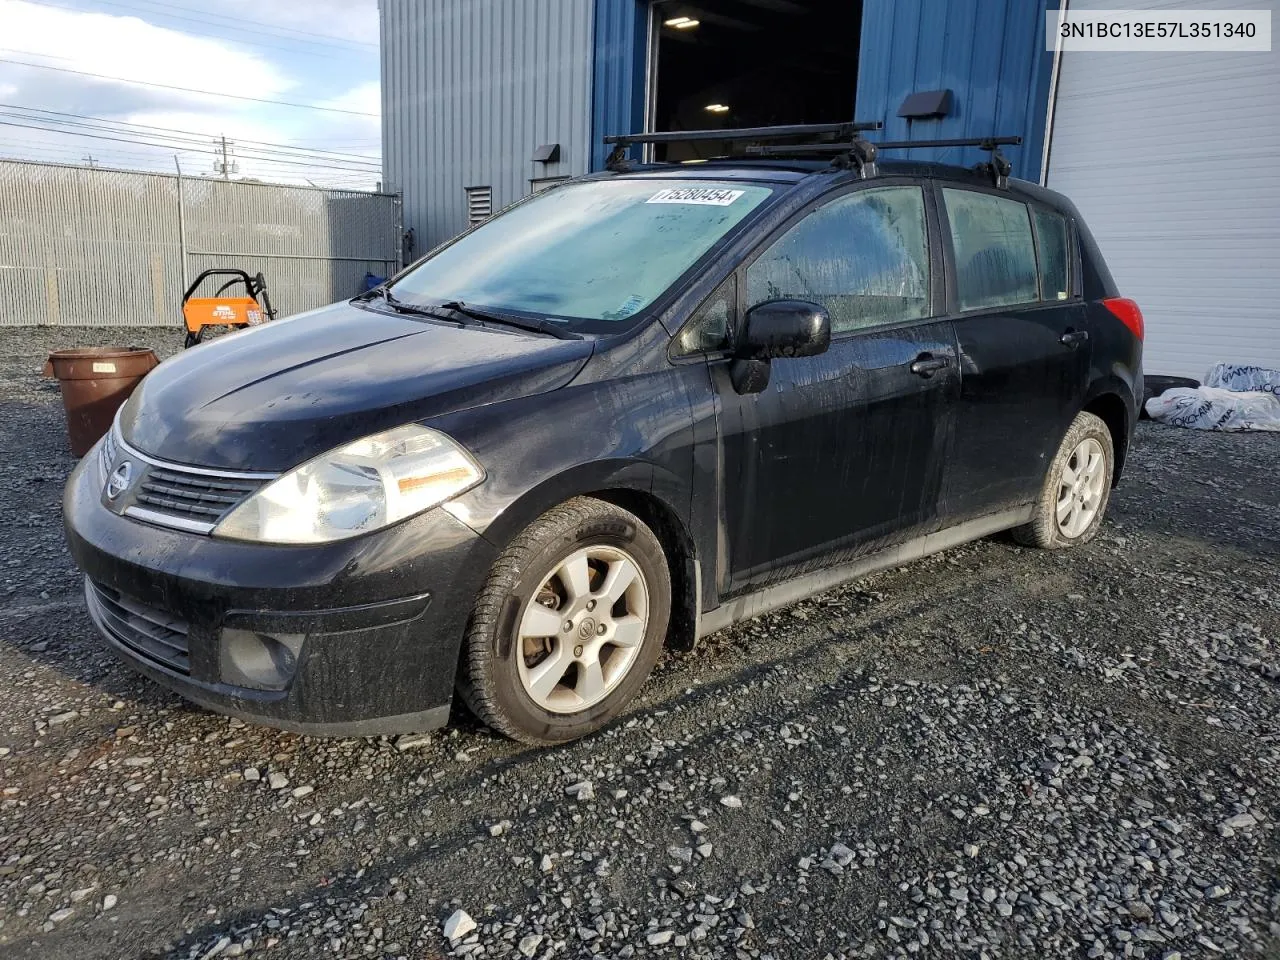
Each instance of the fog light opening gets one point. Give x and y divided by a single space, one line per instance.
260 661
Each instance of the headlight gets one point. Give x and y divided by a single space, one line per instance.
363 486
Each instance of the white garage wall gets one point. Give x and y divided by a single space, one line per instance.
1174 162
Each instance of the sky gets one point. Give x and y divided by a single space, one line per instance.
56 58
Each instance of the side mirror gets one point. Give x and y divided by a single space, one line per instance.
785 328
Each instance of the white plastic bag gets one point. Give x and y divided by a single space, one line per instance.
1243 379
1234 397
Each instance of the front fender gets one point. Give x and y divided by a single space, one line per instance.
578 480
629 433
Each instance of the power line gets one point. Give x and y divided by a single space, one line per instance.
110 126
277 28
207 93
145 143
164 165
200 142
334 43
44 146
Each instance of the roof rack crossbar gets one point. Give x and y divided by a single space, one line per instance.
983 143
842 141
618 161
786 150
745 133
863 153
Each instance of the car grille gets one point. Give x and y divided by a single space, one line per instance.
108 451
156 635
192 499
199 496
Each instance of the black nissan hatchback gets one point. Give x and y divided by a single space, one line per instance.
627 411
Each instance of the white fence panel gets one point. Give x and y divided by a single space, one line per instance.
81 246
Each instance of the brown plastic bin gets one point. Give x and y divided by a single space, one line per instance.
95 382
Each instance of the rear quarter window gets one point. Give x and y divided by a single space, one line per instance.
995 254
1053 242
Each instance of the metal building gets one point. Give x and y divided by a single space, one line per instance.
1184 198
485 101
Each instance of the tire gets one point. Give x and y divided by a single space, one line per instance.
1085 504
602 654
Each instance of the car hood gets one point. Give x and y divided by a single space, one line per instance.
269 398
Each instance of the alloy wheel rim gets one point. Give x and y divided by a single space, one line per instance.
580 633
1081 488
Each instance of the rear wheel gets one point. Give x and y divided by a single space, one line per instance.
569 624
1076 489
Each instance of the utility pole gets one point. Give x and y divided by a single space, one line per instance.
88 158
226 165
182 224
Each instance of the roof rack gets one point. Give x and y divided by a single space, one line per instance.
830 133
998 168
843 142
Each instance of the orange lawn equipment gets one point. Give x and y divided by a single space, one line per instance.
236 312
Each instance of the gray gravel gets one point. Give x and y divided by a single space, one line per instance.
995 752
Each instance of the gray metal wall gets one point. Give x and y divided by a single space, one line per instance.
470 88
82 246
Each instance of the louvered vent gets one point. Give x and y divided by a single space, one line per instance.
479 204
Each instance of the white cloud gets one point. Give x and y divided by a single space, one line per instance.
355 20
132 49
364 98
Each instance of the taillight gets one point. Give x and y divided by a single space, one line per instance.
1127 312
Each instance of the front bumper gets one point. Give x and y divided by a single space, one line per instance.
379 618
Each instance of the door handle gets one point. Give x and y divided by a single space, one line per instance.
927 365
1073 338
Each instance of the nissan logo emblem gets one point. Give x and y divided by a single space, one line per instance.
118 482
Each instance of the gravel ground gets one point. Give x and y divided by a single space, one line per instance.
995 752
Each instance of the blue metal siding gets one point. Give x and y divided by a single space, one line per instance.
989 53
617 97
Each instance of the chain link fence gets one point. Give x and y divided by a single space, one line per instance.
81 246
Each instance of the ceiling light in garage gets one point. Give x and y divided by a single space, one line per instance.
717 108
681 23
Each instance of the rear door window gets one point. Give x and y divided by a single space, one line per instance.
864 256
995 254
1052 240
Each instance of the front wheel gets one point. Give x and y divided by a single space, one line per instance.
1076 489
569 624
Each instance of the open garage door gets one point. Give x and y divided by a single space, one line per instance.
750 63
1172 160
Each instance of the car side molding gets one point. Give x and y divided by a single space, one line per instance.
798 588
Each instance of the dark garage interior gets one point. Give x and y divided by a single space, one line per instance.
747 63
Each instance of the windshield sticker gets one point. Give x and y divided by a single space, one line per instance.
628 307
702 196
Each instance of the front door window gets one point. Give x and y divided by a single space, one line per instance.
864 256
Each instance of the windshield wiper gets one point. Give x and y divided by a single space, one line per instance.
492 316
412 309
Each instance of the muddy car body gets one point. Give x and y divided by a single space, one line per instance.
729 442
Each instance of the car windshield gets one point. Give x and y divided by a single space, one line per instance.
591 255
